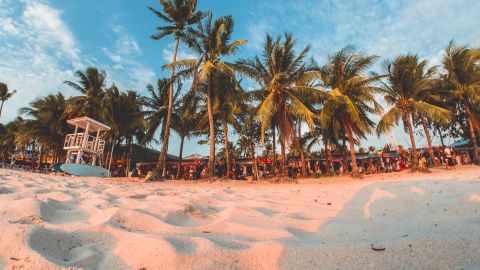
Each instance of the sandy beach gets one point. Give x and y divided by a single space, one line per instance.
413 221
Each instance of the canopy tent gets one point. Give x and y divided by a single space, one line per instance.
83 122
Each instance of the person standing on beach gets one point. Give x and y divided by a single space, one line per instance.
448 157
32 163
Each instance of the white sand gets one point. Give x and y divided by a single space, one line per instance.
424 221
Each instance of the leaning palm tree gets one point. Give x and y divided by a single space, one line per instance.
463 73
211 41
352 96
5 94
408 82
277 72
91 85
178 15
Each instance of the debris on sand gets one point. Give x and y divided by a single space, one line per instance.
377 247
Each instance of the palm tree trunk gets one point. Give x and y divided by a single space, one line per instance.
353 156
124 160
441 137
166 133
255 167
129 157
211 158
111 155
227 151
1 107
274 144
284 158
344 155
429 139
412 139
473 137
302 153
180 157
40 155
327 156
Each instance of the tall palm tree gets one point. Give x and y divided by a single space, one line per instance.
277 72
185 121
5 94
178 15
463 73
90 85
408 82
352 96
211 41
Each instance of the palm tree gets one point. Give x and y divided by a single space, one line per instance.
48 123
155 108
5 94
185 121
227 105
408 82
91 85
123 113
211 41
352 96
249 137
178 15
463 73
282 100
7 140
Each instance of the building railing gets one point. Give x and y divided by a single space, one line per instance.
78 140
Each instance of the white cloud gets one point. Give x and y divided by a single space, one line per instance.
7 26
45 26
126 70
37 58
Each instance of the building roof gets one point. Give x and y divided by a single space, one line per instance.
461 142
195 156
82 122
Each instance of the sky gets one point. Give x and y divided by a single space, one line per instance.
43 42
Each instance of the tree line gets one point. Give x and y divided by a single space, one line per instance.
205 96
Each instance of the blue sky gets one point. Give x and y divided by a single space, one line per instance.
43 42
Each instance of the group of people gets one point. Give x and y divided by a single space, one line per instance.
445 156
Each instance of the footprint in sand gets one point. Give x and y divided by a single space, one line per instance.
139 196
193 216
265 211
181 245
6 190
57 212
76 249
227 241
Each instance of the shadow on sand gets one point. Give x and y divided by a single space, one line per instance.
428 224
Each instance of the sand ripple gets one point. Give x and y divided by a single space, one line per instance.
423 221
